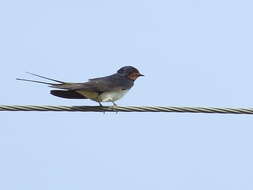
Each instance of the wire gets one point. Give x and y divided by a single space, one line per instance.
127 109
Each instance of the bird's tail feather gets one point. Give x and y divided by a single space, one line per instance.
35 81
42 82
70 94
46 78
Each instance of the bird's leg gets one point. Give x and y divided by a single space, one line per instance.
114 106
99 101
101 106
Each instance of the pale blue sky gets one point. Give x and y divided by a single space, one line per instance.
193 53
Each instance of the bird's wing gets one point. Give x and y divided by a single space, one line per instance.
104 78
93 86
103 84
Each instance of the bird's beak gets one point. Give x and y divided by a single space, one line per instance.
141 75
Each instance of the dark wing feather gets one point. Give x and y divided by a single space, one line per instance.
104 84
70 94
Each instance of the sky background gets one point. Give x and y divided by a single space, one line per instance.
192 52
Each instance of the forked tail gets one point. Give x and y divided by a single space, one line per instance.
42 82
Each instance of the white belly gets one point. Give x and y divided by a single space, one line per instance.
112 96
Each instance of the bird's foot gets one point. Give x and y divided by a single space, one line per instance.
101 105
114 106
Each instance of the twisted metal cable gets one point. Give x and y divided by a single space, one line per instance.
128 109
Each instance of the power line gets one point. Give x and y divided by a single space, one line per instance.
127 109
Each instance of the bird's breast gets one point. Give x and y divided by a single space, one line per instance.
112 95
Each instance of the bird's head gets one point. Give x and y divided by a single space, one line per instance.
129 72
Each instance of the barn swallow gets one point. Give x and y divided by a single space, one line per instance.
104 89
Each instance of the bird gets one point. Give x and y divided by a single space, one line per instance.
103 89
